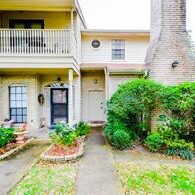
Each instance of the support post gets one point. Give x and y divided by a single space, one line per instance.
70 98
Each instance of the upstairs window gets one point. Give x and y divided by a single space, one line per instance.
118 49
18 103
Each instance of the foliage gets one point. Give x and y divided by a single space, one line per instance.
130 108
179 104
82 129
154 142
6 136
47 179
141 178
180 148
63 135
121 140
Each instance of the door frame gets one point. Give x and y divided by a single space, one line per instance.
67 104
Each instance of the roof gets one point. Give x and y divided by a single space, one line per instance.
115 68
116 32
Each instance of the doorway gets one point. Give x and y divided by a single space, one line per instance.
59 105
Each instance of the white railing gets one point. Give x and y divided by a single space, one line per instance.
35 42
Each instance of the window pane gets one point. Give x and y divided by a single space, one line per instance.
19 111
24 119
12 90
23 97
24 111
19 119
24 90
13 111
12 104
18 104
18 89
13 96
18 97
118 49
13 118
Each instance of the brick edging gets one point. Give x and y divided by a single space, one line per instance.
46 157
15 150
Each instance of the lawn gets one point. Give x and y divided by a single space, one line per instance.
143 178
48 179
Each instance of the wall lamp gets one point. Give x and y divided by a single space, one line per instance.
175 64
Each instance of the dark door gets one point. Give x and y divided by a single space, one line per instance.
28 39
59 105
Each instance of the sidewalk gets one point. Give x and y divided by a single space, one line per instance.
97 175
11 170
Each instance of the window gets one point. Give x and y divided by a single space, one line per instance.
118 50
18 103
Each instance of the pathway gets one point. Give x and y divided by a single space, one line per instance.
11 170
97 175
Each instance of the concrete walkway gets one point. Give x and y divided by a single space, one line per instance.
97 175
11 170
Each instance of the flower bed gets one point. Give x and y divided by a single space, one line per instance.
59 153
68 143
12 147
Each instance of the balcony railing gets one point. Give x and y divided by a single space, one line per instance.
36 42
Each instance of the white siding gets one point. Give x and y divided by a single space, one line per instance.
135 49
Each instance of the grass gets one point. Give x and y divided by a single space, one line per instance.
142 178
48 179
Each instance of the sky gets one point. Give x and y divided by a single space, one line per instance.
126 14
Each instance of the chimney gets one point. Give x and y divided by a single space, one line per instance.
169 57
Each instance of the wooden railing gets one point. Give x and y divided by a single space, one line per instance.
36 42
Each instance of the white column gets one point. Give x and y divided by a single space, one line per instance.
70 98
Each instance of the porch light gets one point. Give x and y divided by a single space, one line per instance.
95 81
175 64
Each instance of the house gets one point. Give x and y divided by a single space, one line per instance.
53 68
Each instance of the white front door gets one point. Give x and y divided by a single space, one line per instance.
96 110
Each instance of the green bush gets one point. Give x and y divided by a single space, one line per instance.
82 129
63 135
154 142
180 148
6 136
121 140
130 108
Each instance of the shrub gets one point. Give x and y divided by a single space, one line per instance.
121 140
82 129
6 136
129 109
63 135
180 148
154 142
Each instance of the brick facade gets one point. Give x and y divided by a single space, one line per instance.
169 43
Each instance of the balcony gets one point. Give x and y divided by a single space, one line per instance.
37 42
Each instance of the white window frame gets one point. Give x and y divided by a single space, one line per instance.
118 49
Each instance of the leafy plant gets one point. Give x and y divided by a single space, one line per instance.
6 136
63 135
121 140
130 108
180 148
82 129
154 142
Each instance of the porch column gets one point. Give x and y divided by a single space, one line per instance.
70 98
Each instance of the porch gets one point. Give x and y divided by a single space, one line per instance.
37 42
40 98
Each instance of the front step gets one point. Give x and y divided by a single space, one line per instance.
96 123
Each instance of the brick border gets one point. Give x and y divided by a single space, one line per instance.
75 156
15 150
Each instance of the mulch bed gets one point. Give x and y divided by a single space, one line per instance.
60 150
10 146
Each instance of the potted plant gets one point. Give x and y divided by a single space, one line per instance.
20 133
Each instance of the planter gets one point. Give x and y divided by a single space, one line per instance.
46 156
20 137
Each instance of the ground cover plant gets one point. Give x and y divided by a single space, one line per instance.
67 140
142 178
6 136
48 179
131 108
